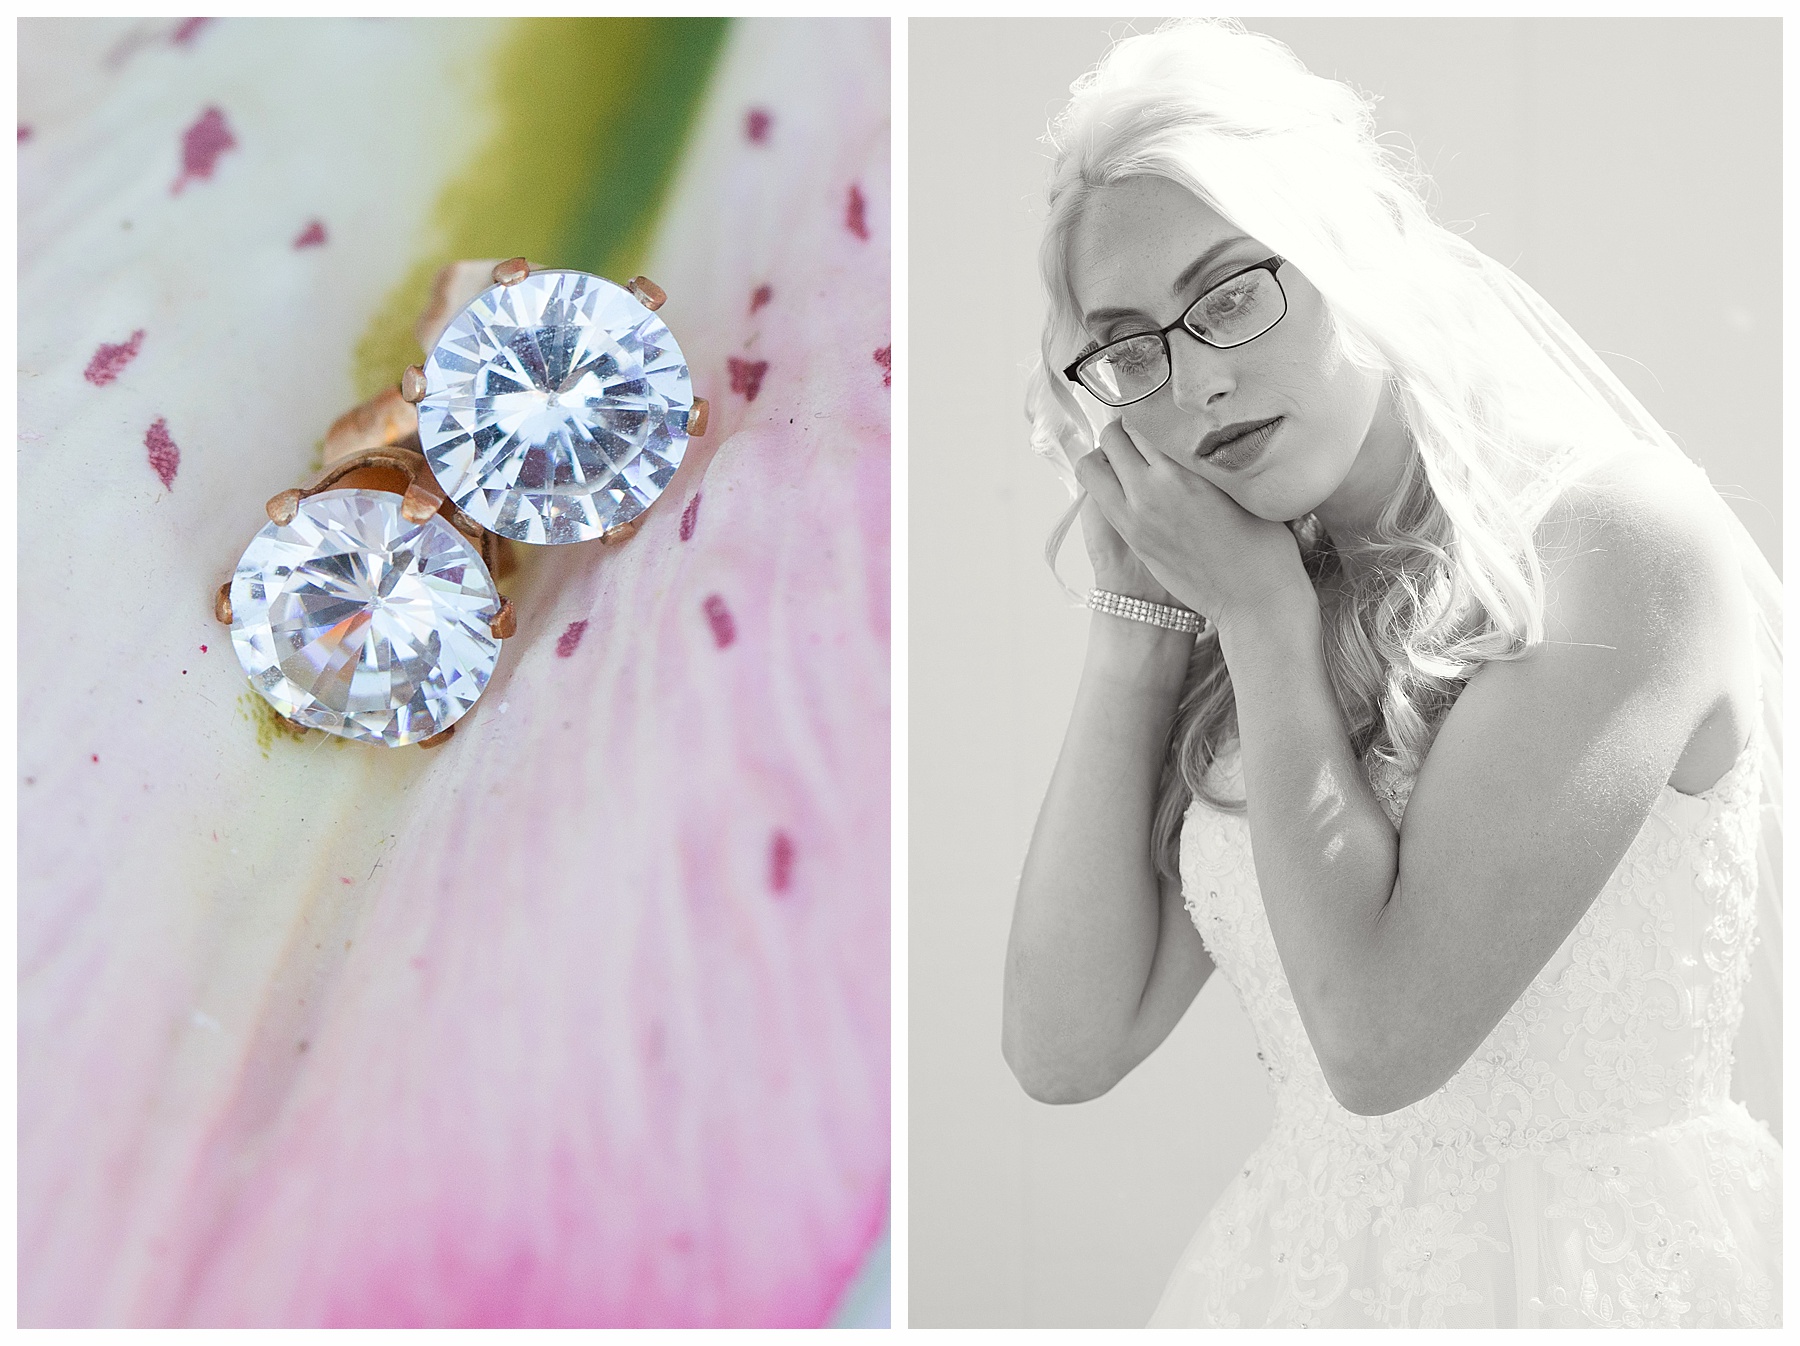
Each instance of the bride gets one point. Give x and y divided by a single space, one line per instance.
1432 697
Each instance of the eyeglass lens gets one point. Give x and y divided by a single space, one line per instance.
1240 310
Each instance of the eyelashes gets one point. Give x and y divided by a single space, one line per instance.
1087 350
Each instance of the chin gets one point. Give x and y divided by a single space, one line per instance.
1278 501
1291 488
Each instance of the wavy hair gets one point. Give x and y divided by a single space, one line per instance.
1450 578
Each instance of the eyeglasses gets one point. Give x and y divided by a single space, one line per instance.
1238 309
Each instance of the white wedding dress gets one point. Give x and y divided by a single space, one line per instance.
1585 1166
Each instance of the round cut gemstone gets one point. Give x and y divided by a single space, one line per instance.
354 620
555 408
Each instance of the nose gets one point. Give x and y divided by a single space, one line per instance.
1199 374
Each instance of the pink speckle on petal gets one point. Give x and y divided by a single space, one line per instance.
24 134
188 31
756 125
781 861
95 756
344 879
109 361
311 236
201 145
854 218
165 458
690 516
885 358
203 649
764 293
718 616
569 639
746 376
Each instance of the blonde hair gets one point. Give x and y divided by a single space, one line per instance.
1450 578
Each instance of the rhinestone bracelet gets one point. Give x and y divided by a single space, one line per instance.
1142 610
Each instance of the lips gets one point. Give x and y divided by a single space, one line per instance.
1234 445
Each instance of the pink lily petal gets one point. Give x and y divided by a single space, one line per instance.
581 1018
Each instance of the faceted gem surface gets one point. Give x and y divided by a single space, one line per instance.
555 408
353 620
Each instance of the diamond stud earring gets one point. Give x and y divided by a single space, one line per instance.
366 606
555 406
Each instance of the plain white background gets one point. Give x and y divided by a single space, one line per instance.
1630 170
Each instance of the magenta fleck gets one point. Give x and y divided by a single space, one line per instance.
746 376
201 145
690 516
885 358
311 236
854 218
756 125
764 293
188 31
24 134
718 616
569 639
110 360
165 458
781 861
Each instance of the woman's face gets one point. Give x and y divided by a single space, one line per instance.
1132 268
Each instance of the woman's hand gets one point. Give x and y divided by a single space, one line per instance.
1117 568
1185 535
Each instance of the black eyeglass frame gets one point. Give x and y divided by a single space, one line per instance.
1272 265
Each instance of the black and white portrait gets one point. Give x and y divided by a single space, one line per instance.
1345 673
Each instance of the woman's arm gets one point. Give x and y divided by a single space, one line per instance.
1103 960
1403 950
1403 953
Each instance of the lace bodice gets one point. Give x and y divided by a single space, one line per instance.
1625 1034
1627 1027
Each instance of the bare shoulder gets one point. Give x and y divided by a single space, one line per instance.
1641 567
1638 550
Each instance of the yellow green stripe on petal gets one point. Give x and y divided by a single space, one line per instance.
590 118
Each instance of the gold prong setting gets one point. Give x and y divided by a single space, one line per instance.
421 501
647 292
282 507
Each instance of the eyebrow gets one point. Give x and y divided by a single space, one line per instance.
1188 274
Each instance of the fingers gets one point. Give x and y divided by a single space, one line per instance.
1097 477
1122 450
1111 469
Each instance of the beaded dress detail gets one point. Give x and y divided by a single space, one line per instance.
1585 1166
